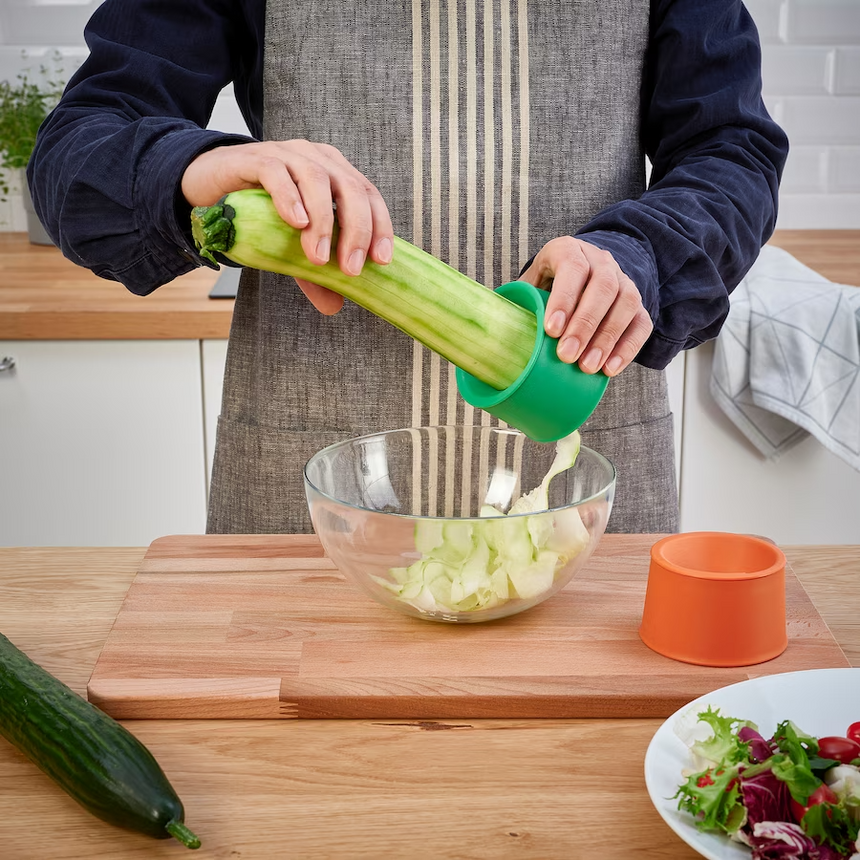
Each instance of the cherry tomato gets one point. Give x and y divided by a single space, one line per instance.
841 749
854 732
822 794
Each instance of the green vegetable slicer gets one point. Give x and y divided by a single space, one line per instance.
550 398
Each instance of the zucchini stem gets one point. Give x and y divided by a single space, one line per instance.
179 831
478 330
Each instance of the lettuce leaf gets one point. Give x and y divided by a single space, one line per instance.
830 824
713 798
792 766
724 747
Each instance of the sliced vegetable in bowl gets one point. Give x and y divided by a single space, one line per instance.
432 521
468 565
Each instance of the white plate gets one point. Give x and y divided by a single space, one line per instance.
820 701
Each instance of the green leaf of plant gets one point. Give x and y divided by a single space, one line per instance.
24 104
713 798
831 825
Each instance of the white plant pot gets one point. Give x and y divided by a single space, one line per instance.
37 233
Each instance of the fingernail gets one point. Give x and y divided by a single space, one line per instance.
592 359
384 250
355 261
555 324
613 365
300 214
324 248
568 349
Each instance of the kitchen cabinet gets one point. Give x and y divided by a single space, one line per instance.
101 442
111 443
806 496
213 354
675 380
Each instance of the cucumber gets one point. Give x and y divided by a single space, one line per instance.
94 759
473 327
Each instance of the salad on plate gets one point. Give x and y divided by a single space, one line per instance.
790 796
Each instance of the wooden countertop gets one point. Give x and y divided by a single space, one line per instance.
44 296
477 790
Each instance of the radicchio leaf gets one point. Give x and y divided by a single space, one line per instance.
760 749
785 840
781 840
766 798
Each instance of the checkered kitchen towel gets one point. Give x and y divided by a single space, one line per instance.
787 362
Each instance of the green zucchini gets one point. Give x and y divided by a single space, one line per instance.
94 759
476 329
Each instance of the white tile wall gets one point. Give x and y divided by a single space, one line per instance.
800 70
811 77
44 22
806 171
844 170
769 18
823 122
810 69
822 22
846 74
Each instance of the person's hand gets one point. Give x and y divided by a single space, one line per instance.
594 309
304 179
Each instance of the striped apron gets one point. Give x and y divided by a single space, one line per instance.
489 128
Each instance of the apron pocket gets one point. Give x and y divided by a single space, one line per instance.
646 492
257 478
258 486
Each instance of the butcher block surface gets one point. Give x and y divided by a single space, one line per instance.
236 626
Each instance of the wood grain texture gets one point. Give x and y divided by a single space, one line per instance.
262 626
57 604
832 253
331 789
44 296
831 577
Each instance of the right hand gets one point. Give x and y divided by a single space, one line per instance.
304 180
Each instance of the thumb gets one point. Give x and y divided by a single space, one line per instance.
324 300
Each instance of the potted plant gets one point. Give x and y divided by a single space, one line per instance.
23 107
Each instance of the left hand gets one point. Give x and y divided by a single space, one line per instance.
594 309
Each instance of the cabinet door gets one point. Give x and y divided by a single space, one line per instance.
101 442
806 496
214 354
675 381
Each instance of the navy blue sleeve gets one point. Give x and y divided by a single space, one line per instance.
106 171
717 159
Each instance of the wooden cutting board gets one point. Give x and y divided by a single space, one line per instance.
234 626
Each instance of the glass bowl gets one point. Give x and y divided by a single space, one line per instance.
418 518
